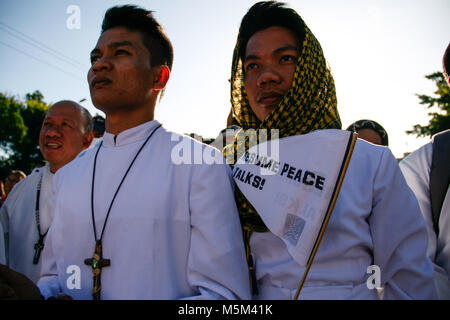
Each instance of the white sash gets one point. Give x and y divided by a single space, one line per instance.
291 182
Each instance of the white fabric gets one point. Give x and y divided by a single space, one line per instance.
376 221
18 218
416 169
2 246
95 143
298 188
173 231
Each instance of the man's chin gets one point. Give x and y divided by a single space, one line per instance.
52 156
104 104
264 111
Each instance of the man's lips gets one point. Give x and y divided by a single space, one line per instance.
99 83
52 145
270 98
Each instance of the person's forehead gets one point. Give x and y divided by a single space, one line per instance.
14 176
64 111
369 132
271 37
119 35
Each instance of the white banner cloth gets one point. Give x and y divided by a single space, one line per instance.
290 182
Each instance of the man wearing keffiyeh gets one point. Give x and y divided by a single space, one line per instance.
280 80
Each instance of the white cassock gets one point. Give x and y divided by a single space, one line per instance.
376 221
173 231
18 218
416 168
2 246
95 142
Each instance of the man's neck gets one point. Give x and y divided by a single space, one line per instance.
53 167
118 122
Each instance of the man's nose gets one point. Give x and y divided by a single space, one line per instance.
53 131
101 64
268 76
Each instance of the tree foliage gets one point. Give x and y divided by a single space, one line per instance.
13 129
19 132
439 120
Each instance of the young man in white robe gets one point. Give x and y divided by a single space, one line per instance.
27 213
416 168
161 226
280 80
424 171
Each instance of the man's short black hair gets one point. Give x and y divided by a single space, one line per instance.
265 14
140 20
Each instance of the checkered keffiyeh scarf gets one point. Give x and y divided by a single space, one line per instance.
309 105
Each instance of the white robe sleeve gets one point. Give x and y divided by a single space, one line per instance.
399 236
2 246
416 170
216 265
4 222
5 213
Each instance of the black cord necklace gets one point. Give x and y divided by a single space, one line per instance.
39 245
97 262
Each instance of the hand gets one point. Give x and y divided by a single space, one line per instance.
16 286
63 296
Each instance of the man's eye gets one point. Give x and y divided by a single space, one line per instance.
94 58
251 66
288 58
121 51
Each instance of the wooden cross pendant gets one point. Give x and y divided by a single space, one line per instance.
38 246
97 263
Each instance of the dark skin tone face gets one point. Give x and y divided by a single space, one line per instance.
11 181
370 135
269 66
126 87
63 134
122 82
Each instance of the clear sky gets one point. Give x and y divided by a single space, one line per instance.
379 52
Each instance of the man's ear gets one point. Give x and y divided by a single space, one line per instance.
87 139
162 75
